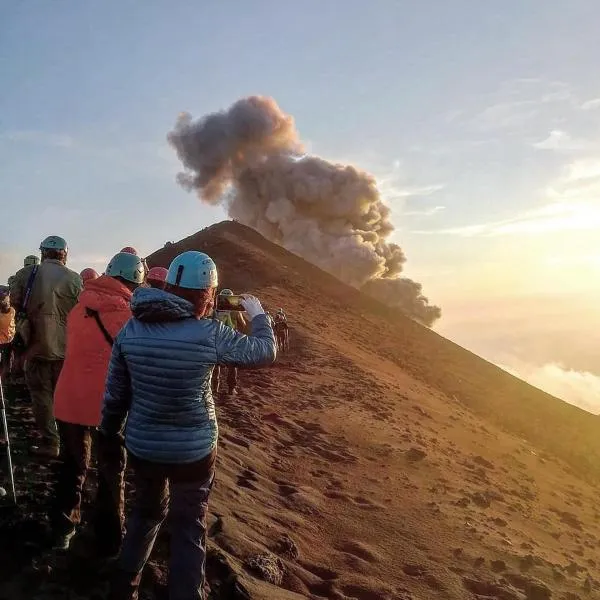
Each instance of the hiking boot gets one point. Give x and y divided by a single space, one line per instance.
62 541
45 451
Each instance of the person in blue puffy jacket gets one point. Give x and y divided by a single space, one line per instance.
158 392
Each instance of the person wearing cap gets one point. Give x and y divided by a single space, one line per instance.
157 278
50 290
158 393
97 318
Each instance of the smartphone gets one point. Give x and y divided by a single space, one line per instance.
230 303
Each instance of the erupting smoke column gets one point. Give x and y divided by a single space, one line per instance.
330 214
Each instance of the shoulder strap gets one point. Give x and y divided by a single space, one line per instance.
28 288
94 314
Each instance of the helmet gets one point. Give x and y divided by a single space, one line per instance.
31 260
193 270
226 292
88 274
54 242
157 274
128 266
129 250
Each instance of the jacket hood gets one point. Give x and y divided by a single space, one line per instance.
105 294
152 304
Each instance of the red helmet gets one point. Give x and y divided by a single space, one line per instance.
88 274
129 250
157 274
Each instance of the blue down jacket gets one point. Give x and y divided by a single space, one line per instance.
160 371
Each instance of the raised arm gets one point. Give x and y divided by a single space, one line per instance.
258 348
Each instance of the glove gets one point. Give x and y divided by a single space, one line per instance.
252 306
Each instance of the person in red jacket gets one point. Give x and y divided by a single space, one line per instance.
101 312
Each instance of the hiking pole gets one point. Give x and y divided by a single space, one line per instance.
8 454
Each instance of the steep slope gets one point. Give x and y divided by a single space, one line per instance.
374 461
249 262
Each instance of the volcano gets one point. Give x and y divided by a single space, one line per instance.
375 460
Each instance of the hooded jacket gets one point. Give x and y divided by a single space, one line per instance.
160 372
54 293
80 388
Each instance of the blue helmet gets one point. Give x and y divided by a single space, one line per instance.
54 242
128 266
193 270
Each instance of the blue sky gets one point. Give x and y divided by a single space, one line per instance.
479 118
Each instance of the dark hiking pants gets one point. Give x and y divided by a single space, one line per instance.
41 377
182 492
232 378
74 462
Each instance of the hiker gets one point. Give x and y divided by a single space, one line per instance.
43 295
235 320
31 261
88 275
157 278
101 312
159 384
7 328
281 329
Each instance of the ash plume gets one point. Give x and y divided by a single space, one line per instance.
250 159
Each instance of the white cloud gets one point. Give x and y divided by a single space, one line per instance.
591 104
580 388
560 141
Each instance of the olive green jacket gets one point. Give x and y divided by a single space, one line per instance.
54 293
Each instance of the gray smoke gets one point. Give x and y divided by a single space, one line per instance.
250 159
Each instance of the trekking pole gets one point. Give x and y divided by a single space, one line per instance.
8 454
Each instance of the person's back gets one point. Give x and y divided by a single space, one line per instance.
172 417
54 293
80 388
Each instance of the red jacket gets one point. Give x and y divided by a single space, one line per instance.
80 388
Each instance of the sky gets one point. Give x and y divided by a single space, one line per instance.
481 121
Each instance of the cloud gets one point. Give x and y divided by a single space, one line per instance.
426 212
572 203
43 138
580 388
591 104
561 141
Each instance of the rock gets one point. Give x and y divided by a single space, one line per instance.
463 502
479 562
481 499
267 567
414 570
483 462
415 455
588 585
287 547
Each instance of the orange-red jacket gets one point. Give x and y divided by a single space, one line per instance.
80 388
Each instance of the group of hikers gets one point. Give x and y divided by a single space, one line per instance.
128 362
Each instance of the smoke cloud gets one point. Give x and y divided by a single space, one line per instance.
250 158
